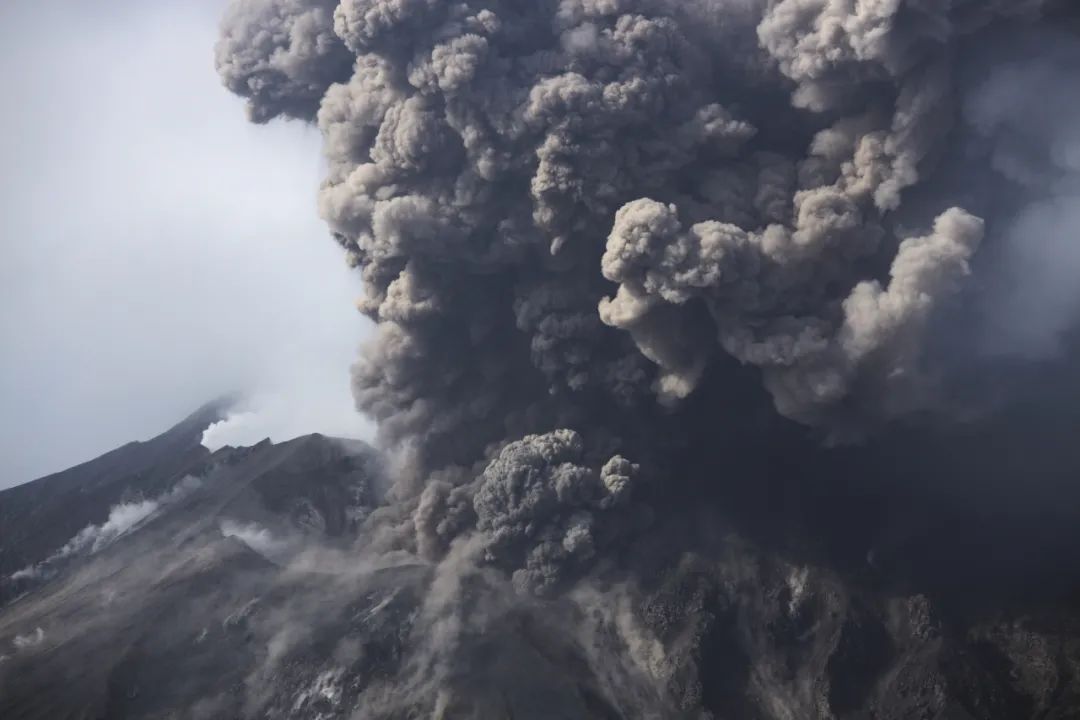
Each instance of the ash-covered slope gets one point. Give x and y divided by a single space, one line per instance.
253 586
139 608
39 517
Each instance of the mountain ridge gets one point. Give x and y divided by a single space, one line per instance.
241 590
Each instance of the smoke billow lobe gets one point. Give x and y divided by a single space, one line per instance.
282 56
570 215
493 165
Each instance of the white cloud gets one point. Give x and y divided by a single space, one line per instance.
158 249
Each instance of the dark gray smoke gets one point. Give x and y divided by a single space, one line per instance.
539 512
585 225
281 55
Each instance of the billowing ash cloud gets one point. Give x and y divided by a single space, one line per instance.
281 56
567 205
808 363
572 216
540 512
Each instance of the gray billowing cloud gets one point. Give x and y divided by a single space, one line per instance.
541 512
485 158
573 218
281 56
808 365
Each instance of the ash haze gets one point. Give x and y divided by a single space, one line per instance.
156 249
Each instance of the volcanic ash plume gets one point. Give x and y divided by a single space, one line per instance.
572 216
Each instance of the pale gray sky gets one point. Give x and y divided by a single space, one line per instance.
155 249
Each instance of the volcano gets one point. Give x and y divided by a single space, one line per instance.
163 580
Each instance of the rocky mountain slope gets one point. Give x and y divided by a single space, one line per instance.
128 580
165 581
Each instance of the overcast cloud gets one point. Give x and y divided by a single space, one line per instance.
156 250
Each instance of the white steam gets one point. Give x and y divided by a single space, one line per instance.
21 642
258 538
281 417
123 519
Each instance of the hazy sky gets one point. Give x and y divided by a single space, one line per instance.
156 250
